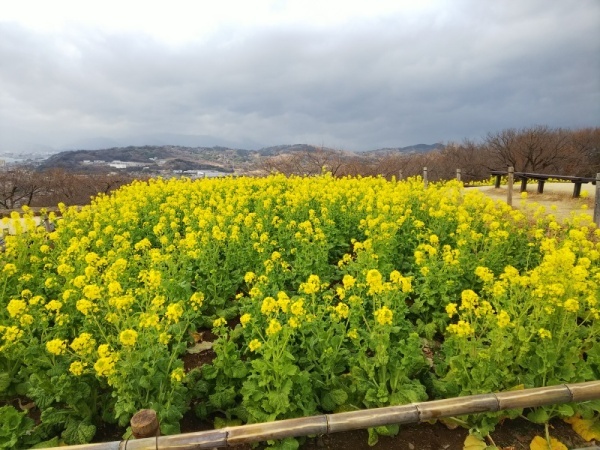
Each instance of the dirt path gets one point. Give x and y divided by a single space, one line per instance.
557 198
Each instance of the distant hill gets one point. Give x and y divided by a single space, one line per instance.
173 157
418 148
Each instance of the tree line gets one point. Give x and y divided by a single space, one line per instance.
23 186
538 149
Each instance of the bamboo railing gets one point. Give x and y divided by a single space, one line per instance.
334 423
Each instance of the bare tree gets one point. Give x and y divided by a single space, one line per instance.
534 149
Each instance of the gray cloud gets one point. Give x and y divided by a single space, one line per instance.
393 81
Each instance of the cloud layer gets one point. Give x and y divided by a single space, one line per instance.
387 80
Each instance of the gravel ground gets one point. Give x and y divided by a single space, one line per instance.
557 198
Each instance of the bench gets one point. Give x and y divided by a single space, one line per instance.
541 178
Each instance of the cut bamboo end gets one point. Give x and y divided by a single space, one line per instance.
532 398
144 424
375 417
581 392
304 426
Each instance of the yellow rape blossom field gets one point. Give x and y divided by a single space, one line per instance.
324 295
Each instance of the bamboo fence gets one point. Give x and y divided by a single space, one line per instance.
334 423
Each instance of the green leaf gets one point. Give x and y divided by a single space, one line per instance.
339 396
54 442
538 415
239 369
4 381
169 428
78 432
289 444
566 411
373 437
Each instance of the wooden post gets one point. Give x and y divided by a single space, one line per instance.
144 424
524 184
498 180
400 176
511 178
541 186
425 182
458 175
597 201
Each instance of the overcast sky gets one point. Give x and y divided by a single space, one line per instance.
353 75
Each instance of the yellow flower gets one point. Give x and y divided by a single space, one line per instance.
92 292
348 281
384 316
451 309
128 337
9 269
148 320
104 351
274 327
54 305
178 374
269 305
375 282
26 319
352 334
105 366
77 368
503 319
219 322
293 322
249 277
164 338
83 344
484 309
84 306
571 305
114 288
433 239
485 274
174 312
91 258
158 301
283 301
297 307
470 300
16 307
197 299
12 333
245 319
544 334
312 285
342 310
254 345
56 346
461 329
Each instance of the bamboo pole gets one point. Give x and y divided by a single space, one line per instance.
425 181
511 179
144 423
333 423
597 201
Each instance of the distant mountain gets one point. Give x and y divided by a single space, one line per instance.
418 148
176 157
